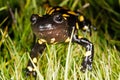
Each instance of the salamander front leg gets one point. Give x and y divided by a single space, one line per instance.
88 58
38 48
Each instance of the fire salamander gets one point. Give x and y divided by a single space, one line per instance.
57 26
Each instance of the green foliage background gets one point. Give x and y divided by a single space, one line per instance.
16 41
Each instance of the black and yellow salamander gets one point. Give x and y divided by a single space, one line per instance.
56 26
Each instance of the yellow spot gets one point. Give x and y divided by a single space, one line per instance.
85 28
67 40
65 15
40 15
65 18
30 68
35 60
88 53
40 41
58 9
43 40
52 40
73 13
81 18
51 11
79 37
77 26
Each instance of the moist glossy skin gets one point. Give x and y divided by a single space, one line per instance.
49 28
56 27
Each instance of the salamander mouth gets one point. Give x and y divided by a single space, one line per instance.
47 34
49 31
46 27
45 30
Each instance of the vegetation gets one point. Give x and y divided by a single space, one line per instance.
16 41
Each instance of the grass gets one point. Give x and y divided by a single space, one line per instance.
60 61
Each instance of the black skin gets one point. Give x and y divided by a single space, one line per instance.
55 28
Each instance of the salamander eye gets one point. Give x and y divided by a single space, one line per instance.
34 18
58 18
